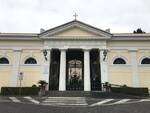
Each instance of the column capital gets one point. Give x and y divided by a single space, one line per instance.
86 49
62 49
17 50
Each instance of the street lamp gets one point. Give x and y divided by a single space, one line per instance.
45 54
20 79
105 54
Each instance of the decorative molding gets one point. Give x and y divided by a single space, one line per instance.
119 56
76 44
8 58
28 56
143 57
72 24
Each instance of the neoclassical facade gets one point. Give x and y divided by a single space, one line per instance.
75 56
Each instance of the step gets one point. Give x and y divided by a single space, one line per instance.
94 94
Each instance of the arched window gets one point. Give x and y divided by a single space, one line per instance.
119 61
4 60
30 61
145 61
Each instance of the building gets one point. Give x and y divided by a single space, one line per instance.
75 56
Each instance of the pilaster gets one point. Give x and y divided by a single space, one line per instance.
103 67
135 75
46 67
15 68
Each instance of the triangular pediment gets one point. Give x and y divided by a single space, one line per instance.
75 29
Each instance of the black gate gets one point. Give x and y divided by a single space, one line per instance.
74 70
95 70
54 70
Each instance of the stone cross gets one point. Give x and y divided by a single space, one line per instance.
75 15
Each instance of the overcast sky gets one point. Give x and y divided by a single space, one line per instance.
31 15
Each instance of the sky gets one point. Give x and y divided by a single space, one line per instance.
28 16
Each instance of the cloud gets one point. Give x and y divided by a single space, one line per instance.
31 15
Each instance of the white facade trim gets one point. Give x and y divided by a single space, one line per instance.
7 57
30 56
46 67
15 68
103 68
122 57
142 58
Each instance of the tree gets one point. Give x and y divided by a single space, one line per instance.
139 30
42 85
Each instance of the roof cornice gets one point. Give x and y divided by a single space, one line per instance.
130 36
19 36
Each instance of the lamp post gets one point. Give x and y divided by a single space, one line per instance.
45 54
105 54
20 79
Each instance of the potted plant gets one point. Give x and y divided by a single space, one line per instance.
42 85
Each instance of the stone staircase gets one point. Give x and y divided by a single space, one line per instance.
94 94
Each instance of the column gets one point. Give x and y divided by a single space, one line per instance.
103 67
135 76
87 81
16 65
46 67
62 75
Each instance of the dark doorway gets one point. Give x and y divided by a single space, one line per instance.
95 70
54 70
74 78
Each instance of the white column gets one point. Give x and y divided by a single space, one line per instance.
46 67
135 76
15 69
87 81
103 68
62 75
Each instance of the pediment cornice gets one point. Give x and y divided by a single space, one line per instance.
75 24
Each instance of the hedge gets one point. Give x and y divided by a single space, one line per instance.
131 90
15 91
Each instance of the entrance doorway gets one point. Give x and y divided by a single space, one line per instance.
74 77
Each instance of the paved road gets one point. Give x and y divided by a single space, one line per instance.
11 107
75 101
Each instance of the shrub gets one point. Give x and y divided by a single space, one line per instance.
15 90
131 90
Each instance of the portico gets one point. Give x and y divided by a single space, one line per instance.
76 57
75 69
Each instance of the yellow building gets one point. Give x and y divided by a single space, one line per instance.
75 56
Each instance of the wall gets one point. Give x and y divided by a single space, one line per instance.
128 74
31 73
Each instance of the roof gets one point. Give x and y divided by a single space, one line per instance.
74 23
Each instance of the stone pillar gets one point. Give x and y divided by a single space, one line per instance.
62 75
135 76
87 81
103 67
16 67
46 67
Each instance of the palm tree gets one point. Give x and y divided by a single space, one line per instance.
42 85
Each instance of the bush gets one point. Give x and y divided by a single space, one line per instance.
131 91
15 90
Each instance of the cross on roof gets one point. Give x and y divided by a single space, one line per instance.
75 15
